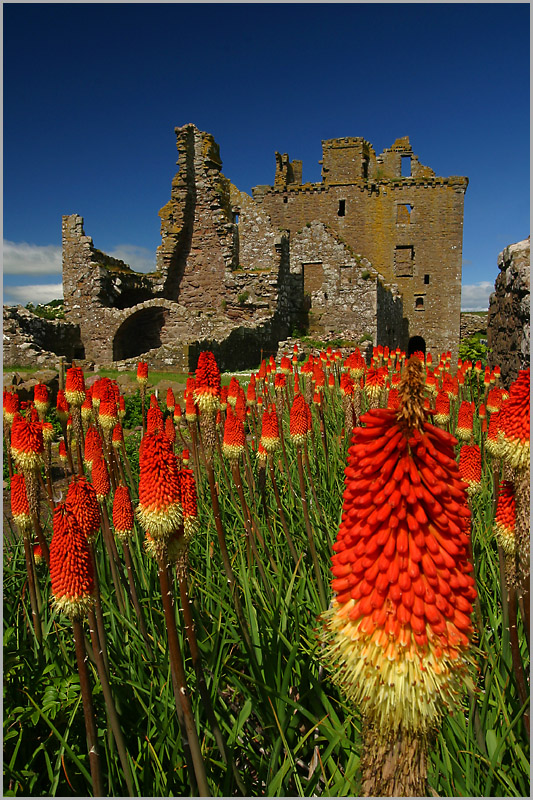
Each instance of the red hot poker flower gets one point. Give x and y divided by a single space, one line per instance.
470 467
170 430
20 507
93 449
234 437
142 373
514 423
270 430
117 436
189 504
62 406
299 420
11 406
207 391
27 445
107 414
71 570
171 400
159 509
398 632
41 399
123 513
100 479
233 391
442 408
154 419
75 386
505 518
465 421
82 503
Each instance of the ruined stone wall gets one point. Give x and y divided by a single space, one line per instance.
197 231
409 228
508 327
29 340
472 324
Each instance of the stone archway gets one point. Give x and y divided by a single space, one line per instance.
139 332
416 344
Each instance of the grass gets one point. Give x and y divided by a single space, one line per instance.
286 726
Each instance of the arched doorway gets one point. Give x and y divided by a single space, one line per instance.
139 333
416 345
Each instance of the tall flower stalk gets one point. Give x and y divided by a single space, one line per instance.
397 636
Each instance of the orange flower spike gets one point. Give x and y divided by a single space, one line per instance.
154 419
62 453
177 414
93 449
117 437
494 400
121 407
393 400
62 406
470 467
74 386
83 504
142 373
159 509
100 479
493 442
171 400
27 444
240 405
207 390
170 430
190 409
285 365
41 399
11 406
505 518
71 571
299 421
233 392
234 438
442 408
251 398
514 423
185 455
270 438
465 421
107 414
398 632
20 507
87 409
123 517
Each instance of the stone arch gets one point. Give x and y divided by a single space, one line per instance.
416 344
139 332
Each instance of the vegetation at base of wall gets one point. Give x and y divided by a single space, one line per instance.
474 349
365 275
55 309
366 337
243 297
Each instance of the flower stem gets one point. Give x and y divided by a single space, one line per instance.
309 531
88 710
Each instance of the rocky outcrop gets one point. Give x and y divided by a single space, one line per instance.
508 320
472 324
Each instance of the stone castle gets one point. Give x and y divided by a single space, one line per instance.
372 253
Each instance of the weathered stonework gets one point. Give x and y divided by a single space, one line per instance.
472 324
367 251
509 318
29 339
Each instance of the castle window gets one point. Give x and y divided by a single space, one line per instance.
403 261
235 218
426 279
406 167
285 199
342 208
365 168
419 303
403 214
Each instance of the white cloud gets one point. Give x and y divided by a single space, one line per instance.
475 296
36 293
140 259
20 258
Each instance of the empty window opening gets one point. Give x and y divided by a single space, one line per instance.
406 167
403 213
426 279
403 261
325 295
236 218
342 208
365 168
419 303
285 199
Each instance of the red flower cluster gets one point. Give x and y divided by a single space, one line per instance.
122 513
234 438
27 443
71 570
75 386
20 507
299 420
207 390
83 504
505 518
159 508
270 430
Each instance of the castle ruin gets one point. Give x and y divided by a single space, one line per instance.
374 249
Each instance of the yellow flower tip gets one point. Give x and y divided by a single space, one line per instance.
393 680
74 607
160 522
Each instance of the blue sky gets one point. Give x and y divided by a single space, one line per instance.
93 92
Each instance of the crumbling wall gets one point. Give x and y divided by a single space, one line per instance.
409 227
29 339
508 319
